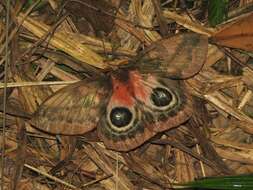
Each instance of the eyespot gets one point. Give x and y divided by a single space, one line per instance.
120 117
161 97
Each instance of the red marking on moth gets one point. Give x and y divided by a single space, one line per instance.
140 90
122 92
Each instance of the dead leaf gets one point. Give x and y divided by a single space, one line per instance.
239 34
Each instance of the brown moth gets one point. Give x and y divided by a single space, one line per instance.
132 104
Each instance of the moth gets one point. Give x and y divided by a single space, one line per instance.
132 104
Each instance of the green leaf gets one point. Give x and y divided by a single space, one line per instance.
217 11
239 182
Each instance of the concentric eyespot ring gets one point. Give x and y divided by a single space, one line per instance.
121 118
162 98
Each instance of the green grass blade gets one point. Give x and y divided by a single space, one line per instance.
217 11
240 182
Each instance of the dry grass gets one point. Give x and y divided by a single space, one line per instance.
48 53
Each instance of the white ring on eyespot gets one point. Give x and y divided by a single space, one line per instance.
173 102
127 127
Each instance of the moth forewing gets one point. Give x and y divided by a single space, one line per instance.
73 110
179 57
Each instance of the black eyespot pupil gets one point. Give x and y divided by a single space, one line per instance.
161 97
120 116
